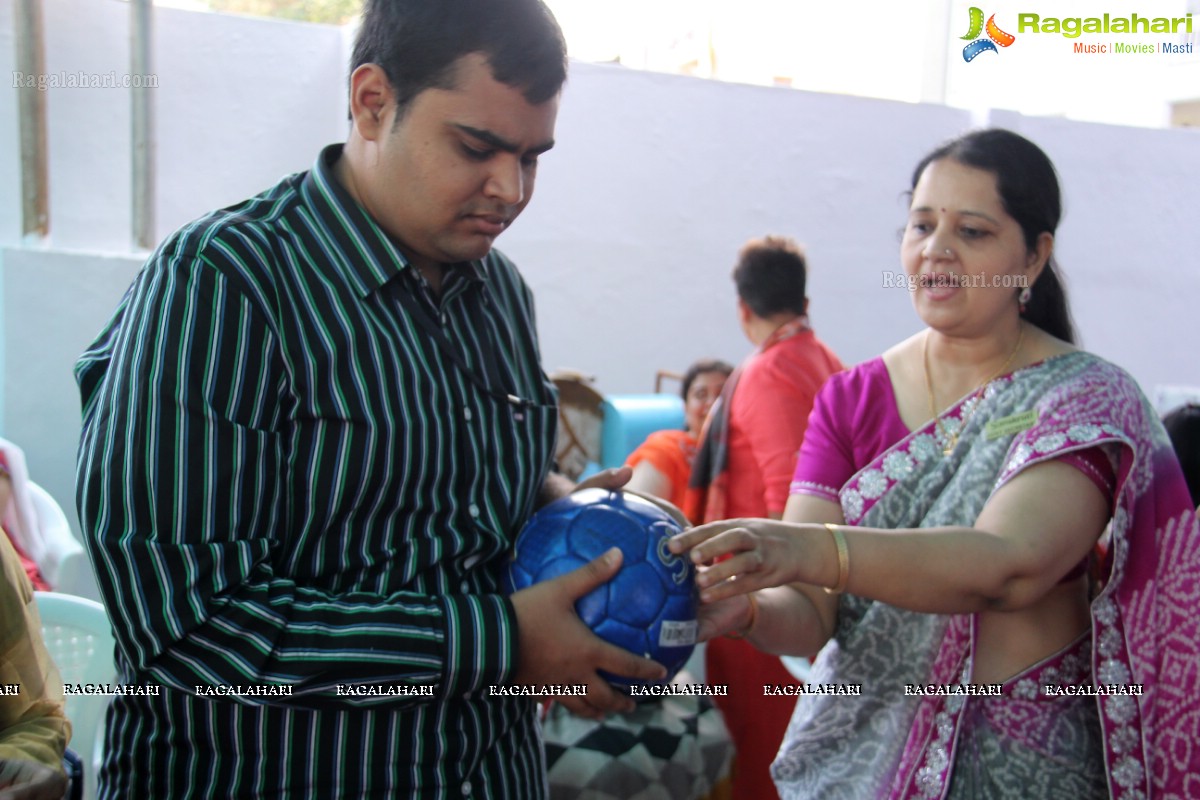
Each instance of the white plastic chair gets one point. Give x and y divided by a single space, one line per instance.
80 641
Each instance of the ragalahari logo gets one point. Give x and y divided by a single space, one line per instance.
995 36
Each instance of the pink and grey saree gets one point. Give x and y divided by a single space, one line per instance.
1114 714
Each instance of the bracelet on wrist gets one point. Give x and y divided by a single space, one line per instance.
843 557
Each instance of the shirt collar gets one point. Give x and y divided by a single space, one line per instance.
369 256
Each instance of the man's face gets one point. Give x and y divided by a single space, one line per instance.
458 167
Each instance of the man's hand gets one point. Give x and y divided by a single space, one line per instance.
612 479
555 647
28 780
558 485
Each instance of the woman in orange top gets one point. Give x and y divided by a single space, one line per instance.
663 463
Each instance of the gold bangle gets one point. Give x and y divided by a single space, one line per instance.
744 632
843 555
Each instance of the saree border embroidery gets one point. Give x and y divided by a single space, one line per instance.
874 481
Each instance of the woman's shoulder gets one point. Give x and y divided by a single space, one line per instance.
857 397
1081 368
1078 389
859 380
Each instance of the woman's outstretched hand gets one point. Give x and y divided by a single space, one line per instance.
739 556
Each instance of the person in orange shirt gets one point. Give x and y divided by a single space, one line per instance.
662 464
744 468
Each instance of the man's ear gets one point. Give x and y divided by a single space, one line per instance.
371 101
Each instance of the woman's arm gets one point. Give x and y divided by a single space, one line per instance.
795 619
1030 533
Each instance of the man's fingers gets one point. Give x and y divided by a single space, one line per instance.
599 570
603 696
612 479
628 665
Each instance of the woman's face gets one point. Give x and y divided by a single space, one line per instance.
963 252
703 392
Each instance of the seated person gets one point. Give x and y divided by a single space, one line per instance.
1183 426
33 728
15 516
663 463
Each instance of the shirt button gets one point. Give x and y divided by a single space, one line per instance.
445 320
467 414
465 587
466 788
473 510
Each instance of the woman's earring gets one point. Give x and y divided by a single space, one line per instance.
1024 297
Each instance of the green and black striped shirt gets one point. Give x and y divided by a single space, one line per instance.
284 482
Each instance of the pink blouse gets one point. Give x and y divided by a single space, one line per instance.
855 419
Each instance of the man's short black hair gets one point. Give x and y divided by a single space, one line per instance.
770 276
418 42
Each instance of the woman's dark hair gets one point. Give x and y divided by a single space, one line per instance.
1028 188
701 367
1183 426
419 42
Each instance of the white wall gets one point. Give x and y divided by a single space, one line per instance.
240 103
906 51
656 182
243 102
659 179
55 304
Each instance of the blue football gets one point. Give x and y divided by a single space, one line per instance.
649 607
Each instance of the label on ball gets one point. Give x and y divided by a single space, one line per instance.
678 634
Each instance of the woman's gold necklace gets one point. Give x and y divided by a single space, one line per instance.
950 437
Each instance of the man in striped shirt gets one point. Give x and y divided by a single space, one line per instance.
311 431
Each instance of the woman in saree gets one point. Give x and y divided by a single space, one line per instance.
943 553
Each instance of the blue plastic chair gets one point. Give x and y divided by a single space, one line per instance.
630 418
